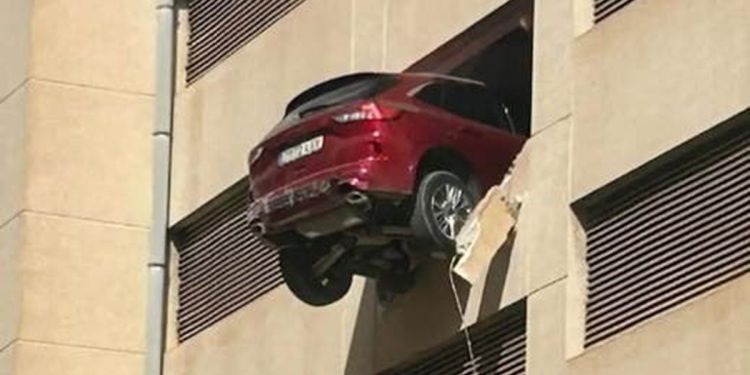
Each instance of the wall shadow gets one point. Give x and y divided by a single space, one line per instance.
360 359
420 319
424 317
495 279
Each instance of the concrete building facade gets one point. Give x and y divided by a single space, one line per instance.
610 97
75 115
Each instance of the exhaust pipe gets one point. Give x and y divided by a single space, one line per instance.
257 228
357 199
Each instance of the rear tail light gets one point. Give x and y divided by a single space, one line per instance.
367 111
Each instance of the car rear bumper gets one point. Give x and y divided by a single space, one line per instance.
335 199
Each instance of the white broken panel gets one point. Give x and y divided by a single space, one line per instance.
487 228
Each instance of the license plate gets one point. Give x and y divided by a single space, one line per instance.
301 150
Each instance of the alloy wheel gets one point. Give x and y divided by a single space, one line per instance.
450 207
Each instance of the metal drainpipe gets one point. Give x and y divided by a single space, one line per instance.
162 159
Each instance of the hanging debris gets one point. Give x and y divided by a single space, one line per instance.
487 229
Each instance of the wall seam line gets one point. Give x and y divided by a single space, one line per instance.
8 345
86 219
93 87
79 346
553 123
13 91
547 285
11 218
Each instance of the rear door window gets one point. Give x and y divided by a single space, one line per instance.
433 94
466 100
336 92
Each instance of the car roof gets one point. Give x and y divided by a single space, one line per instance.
444 77
327 85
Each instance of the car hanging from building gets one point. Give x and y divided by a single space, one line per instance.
367 173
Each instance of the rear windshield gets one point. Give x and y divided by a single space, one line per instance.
337 91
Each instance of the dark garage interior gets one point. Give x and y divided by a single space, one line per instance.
497 50
505 67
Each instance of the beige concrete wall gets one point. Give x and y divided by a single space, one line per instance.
14 72
10 283
368 34
89 153
75 111
643 85
414 28
15 29
415 321
82 283
545 330
552 92
542 184
707 336
71 295
8 360
278 334
38 358
94 44
13 134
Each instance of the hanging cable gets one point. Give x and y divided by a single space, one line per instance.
459 308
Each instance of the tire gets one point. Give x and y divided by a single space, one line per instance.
296 268
431 221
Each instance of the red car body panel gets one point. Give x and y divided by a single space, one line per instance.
376 156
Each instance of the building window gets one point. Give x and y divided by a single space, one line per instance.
218 28
606 8
498 343
669 231
222 266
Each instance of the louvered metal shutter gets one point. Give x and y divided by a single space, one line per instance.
222 266
218 28
684 231
605 8
499 346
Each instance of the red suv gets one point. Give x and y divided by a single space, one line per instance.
367 171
